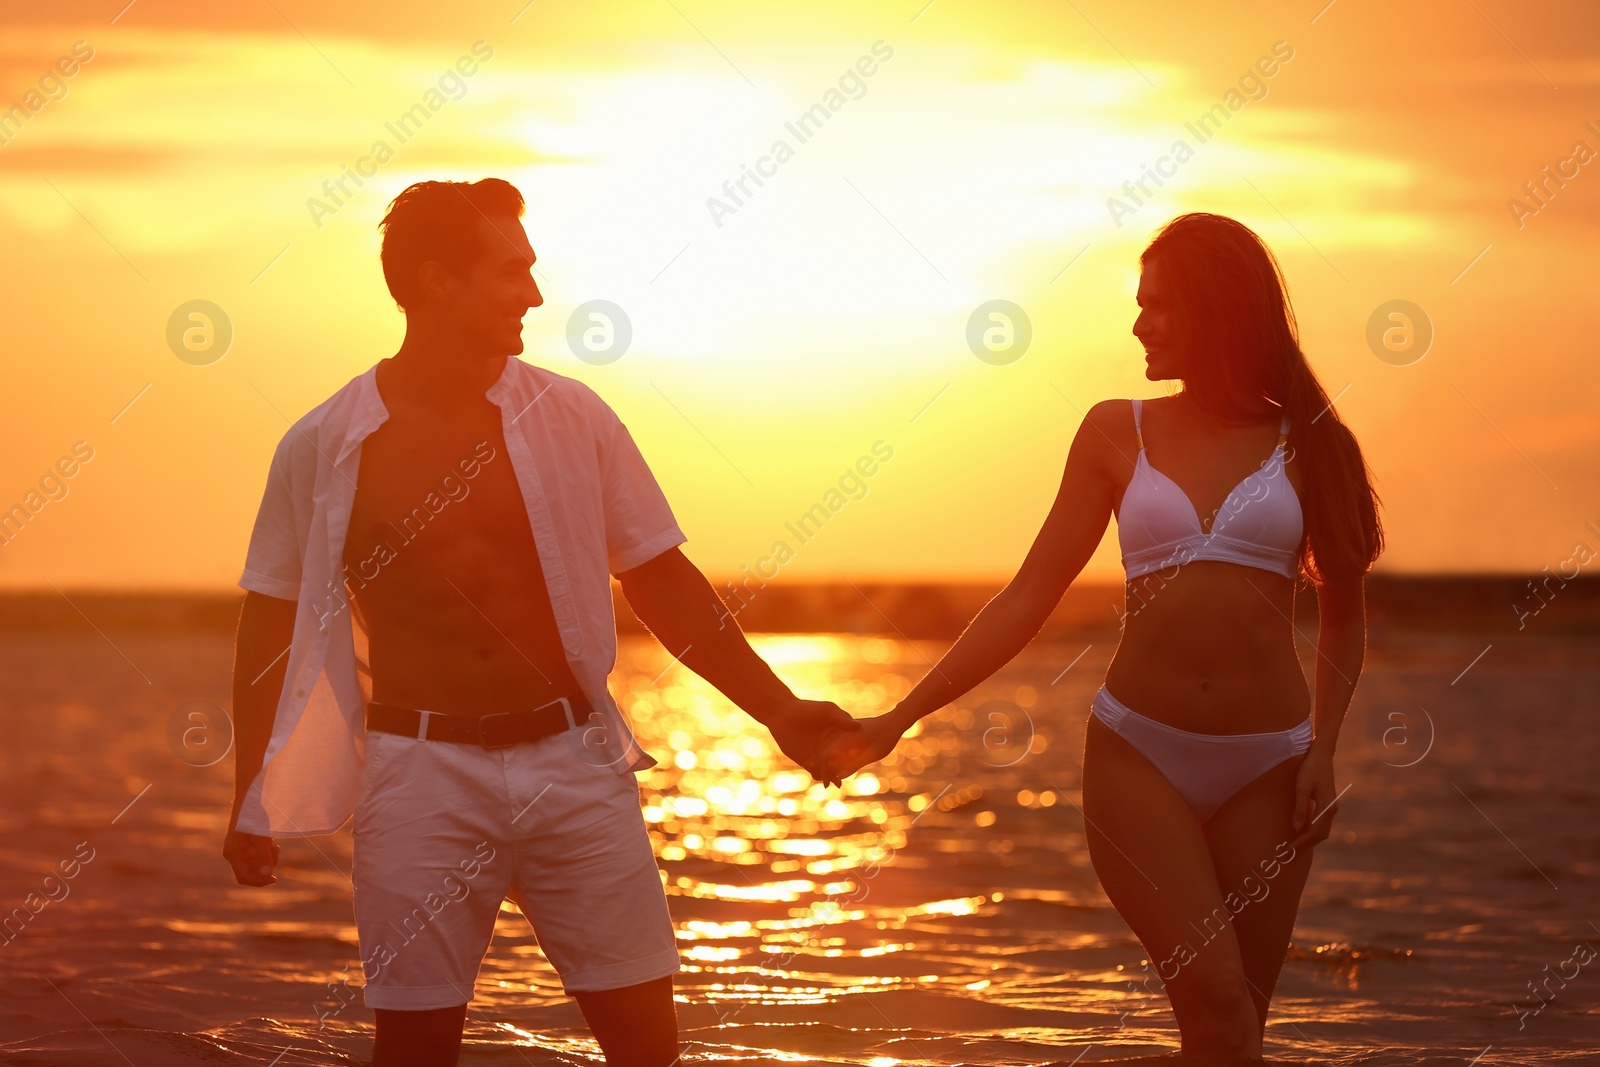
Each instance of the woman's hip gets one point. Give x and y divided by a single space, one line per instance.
1264 698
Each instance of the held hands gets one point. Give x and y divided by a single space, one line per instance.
807 730
822 737
875 739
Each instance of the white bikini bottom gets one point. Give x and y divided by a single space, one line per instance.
1206 769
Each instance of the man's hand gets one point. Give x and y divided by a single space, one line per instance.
251 856
806 729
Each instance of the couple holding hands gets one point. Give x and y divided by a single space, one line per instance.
427 635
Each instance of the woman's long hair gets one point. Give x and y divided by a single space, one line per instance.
1231 303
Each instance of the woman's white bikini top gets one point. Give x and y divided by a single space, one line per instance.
1259 525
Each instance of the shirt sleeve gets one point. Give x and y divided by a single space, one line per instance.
639 522
272 563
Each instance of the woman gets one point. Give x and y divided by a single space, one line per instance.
1208 775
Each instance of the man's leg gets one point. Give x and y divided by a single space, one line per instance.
589 884
637 1025
428 880
418 1038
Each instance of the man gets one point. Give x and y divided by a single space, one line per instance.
425 641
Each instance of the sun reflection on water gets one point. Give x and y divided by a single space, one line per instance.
777 883
735 825
727 794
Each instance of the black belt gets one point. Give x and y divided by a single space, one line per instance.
500 729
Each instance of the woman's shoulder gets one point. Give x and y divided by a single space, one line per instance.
1114 406
1108 431
1115 412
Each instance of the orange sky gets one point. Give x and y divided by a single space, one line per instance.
773 345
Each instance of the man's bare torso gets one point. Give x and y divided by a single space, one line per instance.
444 570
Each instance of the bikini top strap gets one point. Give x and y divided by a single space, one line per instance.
1138 431
1283 428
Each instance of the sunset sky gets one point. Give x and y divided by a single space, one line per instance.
775 343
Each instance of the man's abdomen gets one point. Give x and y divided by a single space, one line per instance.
452 596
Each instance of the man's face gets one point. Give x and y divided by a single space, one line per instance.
486 307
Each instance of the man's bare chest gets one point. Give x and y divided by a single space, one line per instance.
433 492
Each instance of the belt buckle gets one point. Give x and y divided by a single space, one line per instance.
483 734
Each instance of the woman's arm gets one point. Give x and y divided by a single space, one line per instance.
1341 649
1071 532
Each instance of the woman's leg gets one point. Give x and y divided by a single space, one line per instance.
1250 850
1154 862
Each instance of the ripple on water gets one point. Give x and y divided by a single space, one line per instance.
938 909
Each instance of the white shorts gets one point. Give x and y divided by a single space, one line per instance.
445 831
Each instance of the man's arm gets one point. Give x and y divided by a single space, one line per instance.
260 660
676 603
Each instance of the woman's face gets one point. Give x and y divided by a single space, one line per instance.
1157 327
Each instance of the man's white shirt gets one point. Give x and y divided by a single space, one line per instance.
595 510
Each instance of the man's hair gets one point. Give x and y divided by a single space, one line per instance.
439 221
